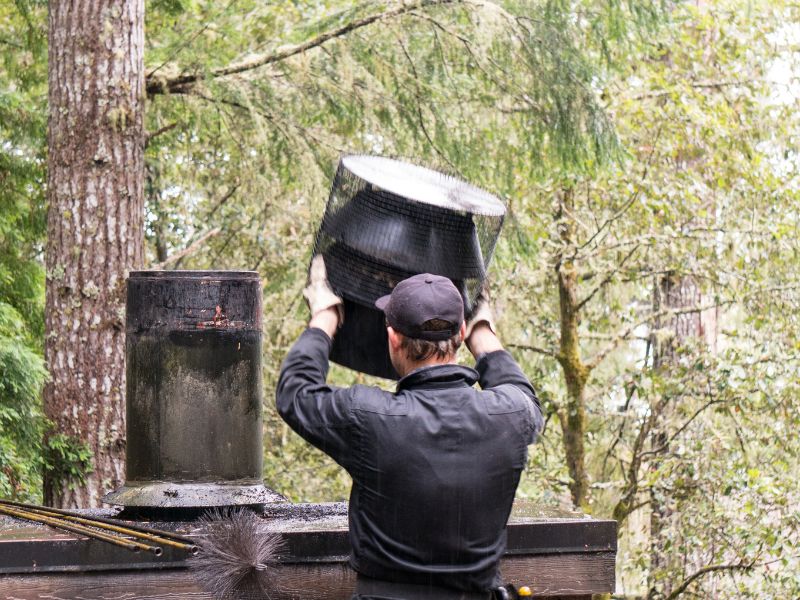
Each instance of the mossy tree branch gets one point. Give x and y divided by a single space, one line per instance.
184 83
572 415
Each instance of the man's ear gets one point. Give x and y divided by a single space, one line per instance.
394 338
463 330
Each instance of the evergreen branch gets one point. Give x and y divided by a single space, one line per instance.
234 232
420 116
477 60
629 202
182 84
191 248
238 105
519 93
280 126
186 42
707 85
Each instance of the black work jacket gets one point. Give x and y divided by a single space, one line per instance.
435 465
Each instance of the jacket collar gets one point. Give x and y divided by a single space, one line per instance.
438 376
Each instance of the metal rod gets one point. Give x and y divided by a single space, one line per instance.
133 527
153 535
80 529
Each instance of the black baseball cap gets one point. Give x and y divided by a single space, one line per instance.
422 298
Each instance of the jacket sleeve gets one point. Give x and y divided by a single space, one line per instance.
320 413
499 368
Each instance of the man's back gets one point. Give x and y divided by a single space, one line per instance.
435 466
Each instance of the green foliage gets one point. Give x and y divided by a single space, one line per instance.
496 92
66 459
22 375
22 150
22 228
663 119
710 179
658 115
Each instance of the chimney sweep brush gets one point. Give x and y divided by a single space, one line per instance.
237 556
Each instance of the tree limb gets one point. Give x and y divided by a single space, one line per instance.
11 43
188 250
632 389
741 566
182 84
151 134
600 356
227 196
607 278
682 428
626 502
535 349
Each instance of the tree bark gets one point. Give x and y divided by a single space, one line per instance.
572 416
672 291
95 228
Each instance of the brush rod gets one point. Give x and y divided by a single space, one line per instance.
79 529
152 535
159 537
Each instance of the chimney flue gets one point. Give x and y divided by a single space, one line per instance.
194 391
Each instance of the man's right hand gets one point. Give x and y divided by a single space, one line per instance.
318 293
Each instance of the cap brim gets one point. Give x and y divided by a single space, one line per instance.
381 302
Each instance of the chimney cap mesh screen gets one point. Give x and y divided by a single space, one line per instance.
387 220
421 184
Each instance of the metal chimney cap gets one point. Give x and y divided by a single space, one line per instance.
424 185
193 274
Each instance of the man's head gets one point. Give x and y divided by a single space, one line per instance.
425 321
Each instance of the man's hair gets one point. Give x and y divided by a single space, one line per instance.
418 350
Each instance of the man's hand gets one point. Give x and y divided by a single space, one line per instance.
483 340
480 336
327 319
322 300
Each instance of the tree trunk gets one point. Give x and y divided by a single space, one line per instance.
671 292
95 229
572 416
153 197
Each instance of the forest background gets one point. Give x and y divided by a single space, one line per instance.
646 278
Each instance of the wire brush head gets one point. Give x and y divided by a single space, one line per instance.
237 555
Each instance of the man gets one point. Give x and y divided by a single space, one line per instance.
435 464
